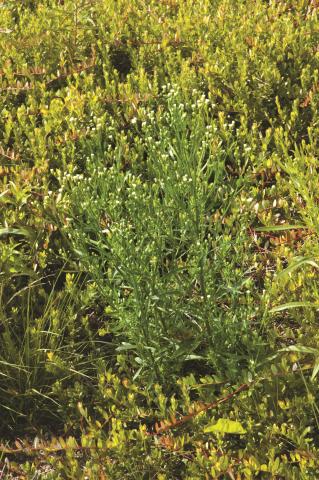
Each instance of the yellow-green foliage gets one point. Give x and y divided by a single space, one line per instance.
159 238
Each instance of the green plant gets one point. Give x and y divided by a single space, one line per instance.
158 240
43 347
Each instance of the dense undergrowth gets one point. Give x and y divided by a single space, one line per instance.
159 239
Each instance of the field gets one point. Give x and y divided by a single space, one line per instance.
159 226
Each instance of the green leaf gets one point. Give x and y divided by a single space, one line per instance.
280 228
315 369
309 350
224 425
296 263
301 349
287 306
24 231
194 357
125 346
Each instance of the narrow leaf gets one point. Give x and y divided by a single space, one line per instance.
301 349
315 369
23 231
280 228
298 262
287 306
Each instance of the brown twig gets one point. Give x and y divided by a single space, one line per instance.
308 99
162 427
65 74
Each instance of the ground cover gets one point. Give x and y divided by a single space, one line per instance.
159 239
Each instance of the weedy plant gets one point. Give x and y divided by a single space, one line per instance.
158 241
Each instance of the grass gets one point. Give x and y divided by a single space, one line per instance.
40 354
159 239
